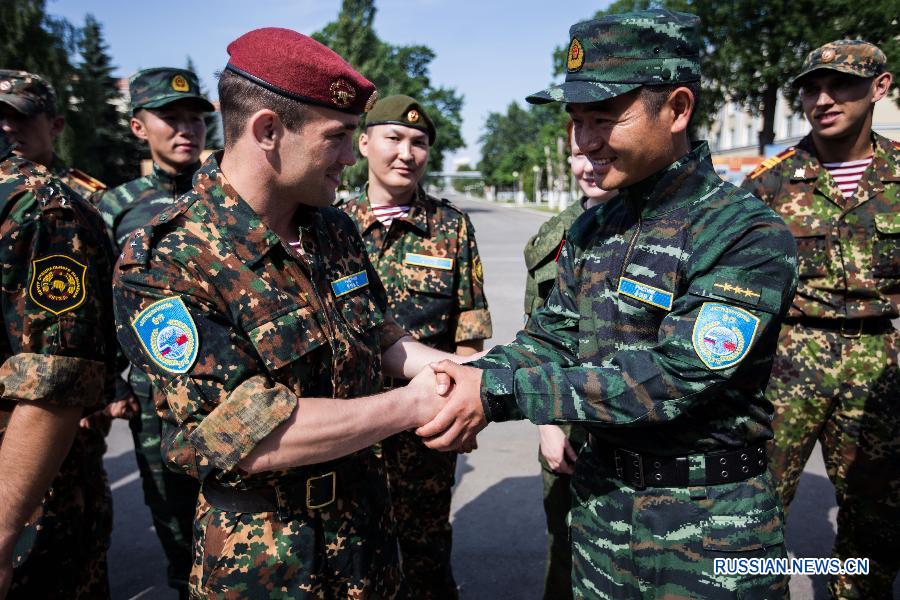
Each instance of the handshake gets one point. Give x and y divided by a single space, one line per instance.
446 397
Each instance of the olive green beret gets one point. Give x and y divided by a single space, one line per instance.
401 110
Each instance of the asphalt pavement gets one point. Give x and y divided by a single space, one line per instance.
497 514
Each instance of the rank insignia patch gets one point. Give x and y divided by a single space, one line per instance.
423 260
575 59
645 293
168 334
57 283
723 334
345 285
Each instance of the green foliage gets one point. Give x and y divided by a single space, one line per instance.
102 144
213 122
393 70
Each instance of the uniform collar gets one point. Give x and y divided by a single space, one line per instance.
417 217
671 187
177 183
57 166
231 215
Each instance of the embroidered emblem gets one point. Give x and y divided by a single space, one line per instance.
478 270
412 116
827 55
575 59
57 283
347 284
723 334
645 293
736 292
423 260
370 103
180 84
342 93
168 334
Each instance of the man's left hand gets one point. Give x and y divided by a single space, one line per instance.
460 420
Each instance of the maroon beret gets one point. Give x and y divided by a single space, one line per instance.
300 68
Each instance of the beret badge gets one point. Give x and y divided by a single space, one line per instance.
827 55
342 93
180 84
412 116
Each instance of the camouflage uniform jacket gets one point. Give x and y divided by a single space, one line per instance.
848 250
259 324
58 345
134 203
87 187
541 252
660 331
430 267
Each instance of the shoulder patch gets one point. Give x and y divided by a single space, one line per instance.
57 283
168 334
723 334
771 162
91 183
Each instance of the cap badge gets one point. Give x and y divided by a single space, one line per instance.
827 55
5 85
370 103
342 93
412 116
180 84
576 56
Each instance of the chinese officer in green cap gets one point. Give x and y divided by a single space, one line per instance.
425 253
167 112
658 336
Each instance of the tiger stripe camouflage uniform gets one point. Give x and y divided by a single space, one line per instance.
541 253
658 338
429 264
257 325
58 349
835 378
170 496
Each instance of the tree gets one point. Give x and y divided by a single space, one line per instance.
103 145
393 70
213 127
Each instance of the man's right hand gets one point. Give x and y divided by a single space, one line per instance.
428 394
557 450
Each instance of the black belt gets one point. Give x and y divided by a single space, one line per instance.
640 470
849 328
317 490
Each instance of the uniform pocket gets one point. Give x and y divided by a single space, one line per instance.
287 337
360 311
886 246
743 532
812 248
428 280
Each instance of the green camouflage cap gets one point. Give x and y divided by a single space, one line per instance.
26 92
855 57
153 88
402 110
615 54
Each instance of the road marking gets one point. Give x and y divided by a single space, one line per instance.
133 476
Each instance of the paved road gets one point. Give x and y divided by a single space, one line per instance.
497 513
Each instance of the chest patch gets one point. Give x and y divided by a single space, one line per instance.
347 284
645 293
57 283
723 334
434 262
168 334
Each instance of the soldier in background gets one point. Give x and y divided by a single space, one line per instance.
57 350
28 116
559 443
167 112
425 253
835 377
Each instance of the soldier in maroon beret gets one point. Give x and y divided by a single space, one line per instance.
252 305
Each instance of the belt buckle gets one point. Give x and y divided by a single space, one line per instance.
637 464
309 487
851 334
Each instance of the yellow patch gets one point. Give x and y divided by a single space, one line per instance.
57 283
412 116
771 162
180 84
575 59
478 270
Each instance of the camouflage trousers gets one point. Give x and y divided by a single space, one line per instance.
61 553
421 483
345 550
170 496
844 393
557 502
662 542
